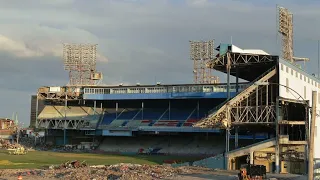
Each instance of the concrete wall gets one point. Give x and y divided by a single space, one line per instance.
303 83
33 109
216 162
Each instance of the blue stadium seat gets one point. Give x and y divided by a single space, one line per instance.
177 114
128 114
152 114
108 118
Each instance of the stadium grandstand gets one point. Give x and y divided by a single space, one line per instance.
262 116
160 116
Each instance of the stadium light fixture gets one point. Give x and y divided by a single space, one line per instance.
201 52
80 61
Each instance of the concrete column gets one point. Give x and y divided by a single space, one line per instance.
37 110
65 121
251 157
117 109
142 108
169 110
64 136
277 158
94 107
236 137
311 140
237 79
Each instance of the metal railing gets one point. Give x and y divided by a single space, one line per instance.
244 87
165 89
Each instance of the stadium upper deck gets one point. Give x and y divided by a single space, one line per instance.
161 108
139 91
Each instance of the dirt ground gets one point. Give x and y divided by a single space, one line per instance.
130 172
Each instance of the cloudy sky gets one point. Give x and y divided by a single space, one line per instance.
138 40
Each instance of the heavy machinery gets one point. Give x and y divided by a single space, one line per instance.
252 172
18 151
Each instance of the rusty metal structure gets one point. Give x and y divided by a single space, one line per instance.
258 107
202 52
285 28
80 61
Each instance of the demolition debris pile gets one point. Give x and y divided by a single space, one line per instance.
5 144
80 170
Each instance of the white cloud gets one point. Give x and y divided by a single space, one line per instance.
16 47
197 3
44 41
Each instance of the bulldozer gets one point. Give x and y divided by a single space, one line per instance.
18 151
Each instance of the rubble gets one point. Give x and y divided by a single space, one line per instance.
80 171
5 144
68 164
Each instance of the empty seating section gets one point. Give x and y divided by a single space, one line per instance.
153 114
117 123
166 123
109 116
177 114
125 117
145 122
128 114
50 112
167 145
152 117
134 123
71 113
190 122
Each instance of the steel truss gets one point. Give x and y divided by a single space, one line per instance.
240 59
253 114
253 105
63 124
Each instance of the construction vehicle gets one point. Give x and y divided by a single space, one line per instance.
252 172
18 151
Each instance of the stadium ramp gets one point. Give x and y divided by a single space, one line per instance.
217 117
252 148
218 161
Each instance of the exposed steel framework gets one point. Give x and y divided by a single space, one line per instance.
285 28
202 52
80 61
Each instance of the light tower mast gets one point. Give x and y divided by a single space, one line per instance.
80 61
202 52
285 28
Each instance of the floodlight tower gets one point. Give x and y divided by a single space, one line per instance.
286 30
80 61
202 52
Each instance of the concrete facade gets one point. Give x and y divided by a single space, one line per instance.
303 84
33 109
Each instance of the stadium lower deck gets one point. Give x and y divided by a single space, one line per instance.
162 126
